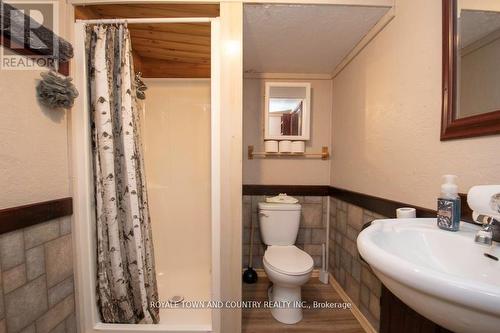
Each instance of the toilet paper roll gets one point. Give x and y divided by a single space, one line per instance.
298 147
285 146
271 146
406 213
483 199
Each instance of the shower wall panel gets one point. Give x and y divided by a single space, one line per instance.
176 139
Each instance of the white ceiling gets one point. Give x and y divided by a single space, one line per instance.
303 38
475 25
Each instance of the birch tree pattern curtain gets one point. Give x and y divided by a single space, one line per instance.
126 280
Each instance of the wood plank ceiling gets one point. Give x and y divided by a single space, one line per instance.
163 50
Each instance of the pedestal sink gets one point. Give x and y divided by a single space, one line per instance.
445 276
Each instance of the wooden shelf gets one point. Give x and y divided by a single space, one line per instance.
324 154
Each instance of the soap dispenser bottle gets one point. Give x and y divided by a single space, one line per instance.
448 205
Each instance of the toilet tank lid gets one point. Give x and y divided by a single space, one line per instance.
278 206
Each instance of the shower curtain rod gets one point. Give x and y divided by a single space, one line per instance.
149 20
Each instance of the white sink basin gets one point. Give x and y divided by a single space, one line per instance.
442 275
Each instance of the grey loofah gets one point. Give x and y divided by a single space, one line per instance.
56 91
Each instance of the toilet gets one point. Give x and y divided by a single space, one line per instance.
286 266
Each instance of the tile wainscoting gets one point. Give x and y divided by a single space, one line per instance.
345 264
312 232
349 211
37 279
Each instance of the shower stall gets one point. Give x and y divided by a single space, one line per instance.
176 141
180 132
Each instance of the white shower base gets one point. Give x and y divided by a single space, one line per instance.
192 287
186 283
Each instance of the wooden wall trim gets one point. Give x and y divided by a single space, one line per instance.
388 207
24 216
375 204
310 190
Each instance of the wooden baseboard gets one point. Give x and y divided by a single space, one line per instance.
354 309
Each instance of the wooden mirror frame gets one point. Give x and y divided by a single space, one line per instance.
451 127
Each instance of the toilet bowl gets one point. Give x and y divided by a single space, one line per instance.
288 268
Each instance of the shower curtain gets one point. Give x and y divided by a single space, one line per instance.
126 279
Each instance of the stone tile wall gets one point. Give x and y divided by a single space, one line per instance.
345 264
312 232
37 294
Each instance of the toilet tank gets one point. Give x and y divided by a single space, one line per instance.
279 223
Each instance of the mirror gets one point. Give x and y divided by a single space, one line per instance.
287 110
478 62
471 69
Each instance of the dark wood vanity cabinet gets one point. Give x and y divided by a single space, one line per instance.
397 317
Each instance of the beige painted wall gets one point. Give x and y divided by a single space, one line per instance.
492 5
33 143
33 140
387 116
176 140
293 171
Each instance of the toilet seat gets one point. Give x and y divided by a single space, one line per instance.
289 260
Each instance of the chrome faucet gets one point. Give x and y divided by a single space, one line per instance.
486 235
